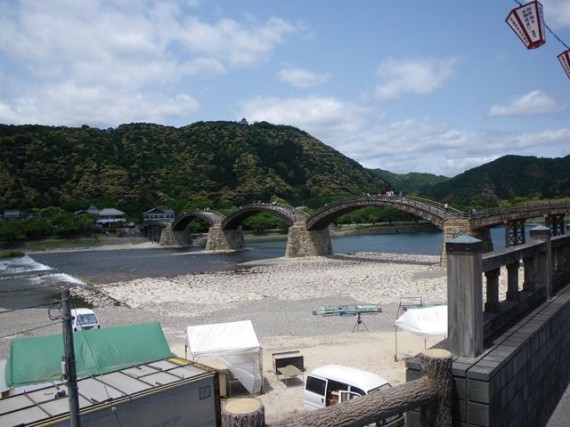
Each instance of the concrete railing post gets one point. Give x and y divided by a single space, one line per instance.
465 296
542 233
492 305
513 293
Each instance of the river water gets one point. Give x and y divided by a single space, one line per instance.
34 279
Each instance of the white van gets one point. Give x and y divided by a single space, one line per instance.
84 318
330 384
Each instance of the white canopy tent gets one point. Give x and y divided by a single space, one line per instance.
428 321
235 344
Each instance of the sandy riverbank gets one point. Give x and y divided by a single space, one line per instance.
279 297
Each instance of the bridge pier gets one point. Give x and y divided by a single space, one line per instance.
224 240
169 237
455 227
302 242
152 232
514 233
556 224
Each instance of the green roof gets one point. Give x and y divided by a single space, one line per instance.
97 351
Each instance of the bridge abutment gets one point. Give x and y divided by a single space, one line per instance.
223 240
302 242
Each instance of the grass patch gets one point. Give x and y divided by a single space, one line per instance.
4 253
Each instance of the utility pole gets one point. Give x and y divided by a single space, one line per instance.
69 359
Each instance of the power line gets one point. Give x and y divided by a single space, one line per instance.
29 330
556 37
25 308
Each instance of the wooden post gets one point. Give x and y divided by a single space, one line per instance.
465 296
247 412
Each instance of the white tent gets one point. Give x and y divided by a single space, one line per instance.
235 343
429 321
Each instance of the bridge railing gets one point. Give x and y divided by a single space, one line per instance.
545 269
284 210
400 199
530 206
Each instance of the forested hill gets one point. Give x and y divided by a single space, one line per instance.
410 183
509 178
139 166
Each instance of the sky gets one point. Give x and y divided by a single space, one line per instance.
406 86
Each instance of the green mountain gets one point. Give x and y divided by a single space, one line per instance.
139 166
509 178
410 183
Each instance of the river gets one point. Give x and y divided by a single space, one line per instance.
34 279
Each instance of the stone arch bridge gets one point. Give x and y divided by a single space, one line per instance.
309 234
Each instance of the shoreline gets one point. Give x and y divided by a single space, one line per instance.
111 243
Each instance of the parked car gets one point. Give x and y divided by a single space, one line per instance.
84 318
330 384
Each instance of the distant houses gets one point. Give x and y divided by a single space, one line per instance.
91 210
110 216
105 217
158 215
11 214
15 214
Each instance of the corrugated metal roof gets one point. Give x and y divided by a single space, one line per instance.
43 404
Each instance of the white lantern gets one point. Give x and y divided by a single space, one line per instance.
564 59
527 22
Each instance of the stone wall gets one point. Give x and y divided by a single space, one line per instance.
519 378
224 240
302 242
169 237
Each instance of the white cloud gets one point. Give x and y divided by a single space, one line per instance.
415 76
233 42
203 67
302 78
557 13
320 116
73 105
409 145
99 56
533 103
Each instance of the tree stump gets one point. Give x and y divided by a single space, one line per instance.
247 412
437 364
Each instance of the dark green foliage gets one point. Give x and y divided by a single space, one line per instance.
139 166
375 215
509 178
12 231
264 221
412 183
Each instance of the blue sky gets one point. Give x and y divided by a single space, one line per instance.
407 86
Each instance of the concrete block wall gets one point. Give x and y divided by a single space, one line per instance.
521 375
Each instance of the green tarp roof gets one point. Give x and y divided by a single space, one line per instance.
97 351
